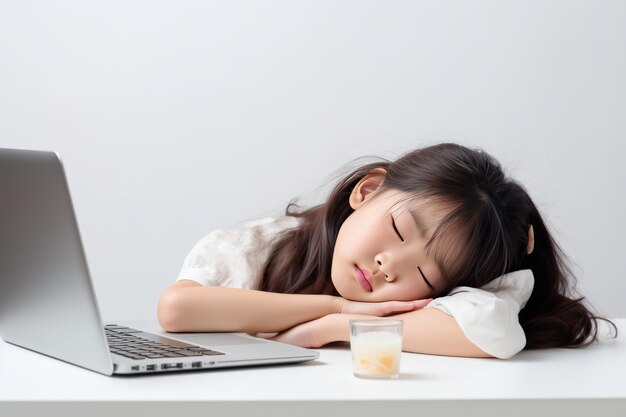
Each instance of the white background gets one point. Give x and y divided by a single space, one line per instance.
175 118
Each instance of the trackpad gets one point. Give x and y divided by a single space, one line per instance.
215 339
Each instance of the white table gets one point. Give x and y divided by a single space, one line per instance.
555 382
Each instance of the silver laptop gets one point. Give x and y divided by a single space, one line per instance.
47 300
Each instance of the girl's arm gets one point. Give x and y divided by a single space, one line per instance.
190 307
434 332
429 331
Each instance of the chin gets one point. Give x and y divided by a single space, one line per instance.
344 287
353 298
343 293
356 296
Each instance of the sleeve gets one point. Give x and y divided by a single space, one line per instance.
234 257
489 316
215 260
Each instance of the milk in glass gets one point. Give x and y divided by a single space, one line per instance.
376 354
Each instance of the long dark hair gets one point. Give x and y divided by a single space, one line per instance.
488 211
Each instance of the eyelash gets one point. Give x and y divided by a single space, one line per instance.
425 280
393 223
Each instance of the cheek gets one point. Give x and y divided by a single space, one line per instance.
357 241
406 292
348 250
345 243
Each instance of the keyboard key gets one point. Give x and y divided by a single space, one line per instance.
136 344
131 355
173 355
212 353
188 353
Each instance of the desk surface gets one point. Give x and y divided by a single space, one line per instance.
574 378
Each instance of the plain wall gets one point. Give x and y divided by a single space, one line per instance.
175 118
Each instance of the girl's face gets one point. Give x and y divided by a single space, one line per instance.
388 246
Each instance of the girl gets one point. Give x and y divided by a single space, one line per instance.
439 238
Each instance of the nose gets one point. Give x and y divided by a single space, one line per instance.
390 274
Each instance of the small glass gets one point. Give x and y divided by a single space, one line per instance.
376 346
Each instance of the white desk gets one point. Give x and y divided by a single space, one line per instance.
561 382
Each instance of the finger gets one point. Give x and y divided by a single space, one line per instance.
397 306
405 306
266 335
422 303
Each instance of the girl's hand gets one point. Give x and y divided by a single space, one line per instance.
312 334
384 308
333 327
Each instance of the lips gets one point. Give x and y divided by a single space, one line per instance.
362 279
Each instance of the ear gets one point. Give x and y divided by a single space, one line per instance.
531 240
367 187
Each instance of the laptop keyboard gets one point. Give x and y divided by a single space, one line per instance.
136 344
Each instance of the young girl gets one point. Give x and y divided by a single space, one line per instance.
439 238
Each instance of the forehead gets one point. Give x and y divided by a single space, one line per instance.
427 212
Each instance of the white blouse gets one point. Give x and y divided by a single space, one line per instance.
488 316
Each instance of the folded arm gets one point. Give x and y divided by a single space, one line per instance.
429 331
190 307
434 332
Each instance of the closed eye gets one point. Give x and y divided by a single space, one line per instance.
424 276
393 223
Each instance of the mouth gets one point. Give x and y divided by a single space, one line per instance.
360 277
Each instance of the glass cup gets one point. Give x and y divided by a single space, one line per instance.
376 346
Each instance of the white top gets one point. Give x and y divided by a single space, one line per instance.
488 316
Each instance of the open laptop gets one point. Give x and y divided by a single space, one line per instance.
48 303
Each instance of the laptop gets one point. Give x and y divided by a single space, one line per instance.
47 299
